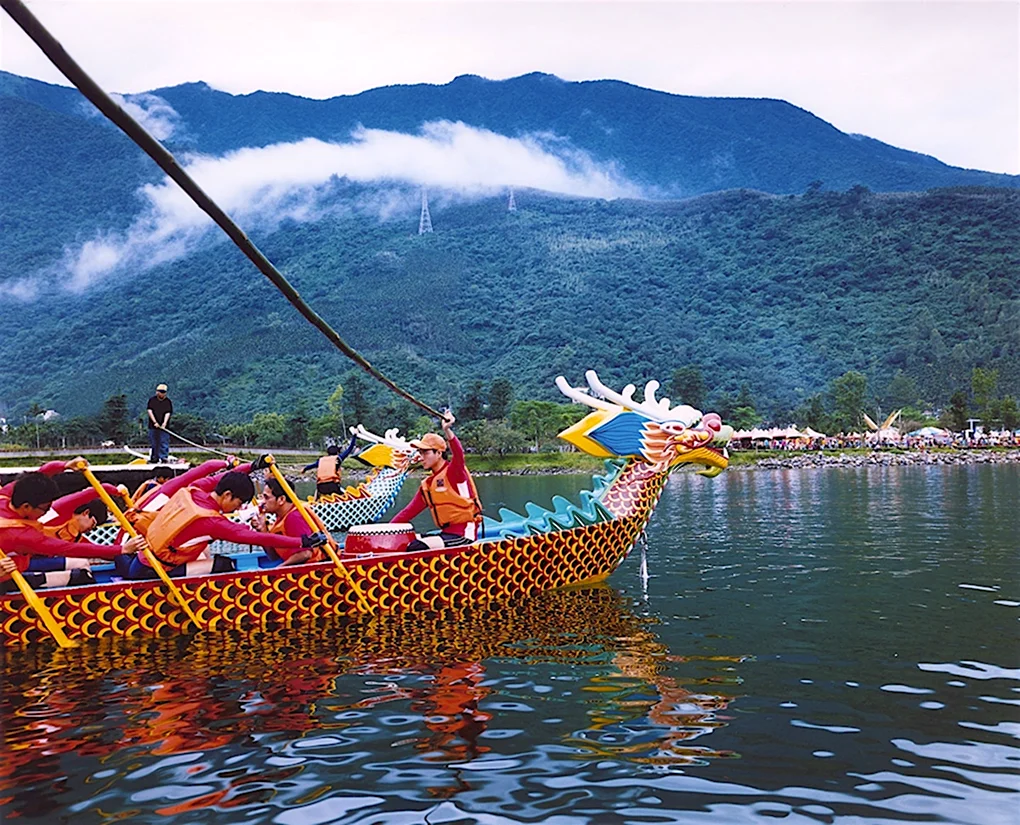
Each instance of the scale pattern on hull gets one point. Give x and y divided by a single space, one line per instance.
409 581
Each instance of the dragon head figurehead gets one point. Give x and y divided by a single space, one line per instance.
389 450
650 430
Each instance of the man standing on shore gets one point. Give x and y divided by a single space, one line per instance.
159 409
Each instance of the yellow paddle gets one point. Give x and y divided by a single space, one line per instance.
124 494
40 608
330 545
129 528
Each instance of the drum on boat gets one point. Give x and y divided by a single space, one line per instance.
391 537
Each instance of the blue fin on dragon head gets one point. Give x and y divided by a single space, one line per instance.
649 430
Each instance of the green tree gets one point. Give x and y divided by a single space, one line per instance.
687 386
297 425
901 392
114 419
193 427
744 397
332 425
270 429
542 420
472 407
501 398
741 412
744 418
1008 413
848 395
955 416
399 413
421 425
812 414
982 386
724 405
241 433
82 431
357 394
488 437
335 405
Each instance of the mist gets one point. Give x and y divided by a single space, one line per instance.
261 187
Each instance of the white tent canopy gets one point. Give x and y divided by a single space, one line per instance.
791 432
930 432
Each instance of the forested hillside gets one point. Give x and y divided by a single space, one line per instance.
68 174
780 293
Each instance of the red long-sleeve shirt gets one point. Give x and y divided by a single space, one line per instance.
191 478
22 541
457 474
64 507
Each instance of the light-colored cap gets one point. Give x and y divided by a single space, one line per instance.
430 441
161 388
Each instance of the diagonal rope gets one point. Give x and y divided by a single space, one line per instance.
201 447
168 163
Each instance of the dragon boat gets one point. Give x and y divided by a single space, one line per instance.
518 554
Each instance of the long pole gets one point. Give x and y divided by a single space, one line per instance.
168 163
198 446
330 544
40 608
129 528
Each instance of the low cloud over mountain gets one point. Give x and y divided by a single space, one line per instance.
261 187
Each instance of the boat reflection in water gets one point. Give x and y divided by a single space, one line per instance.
439 688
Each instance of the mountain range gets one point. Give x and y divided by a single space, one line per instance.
759 242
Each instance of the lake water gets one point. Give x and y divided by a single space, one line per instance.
812 646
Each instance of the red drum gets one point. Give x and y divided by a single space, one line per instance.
391 537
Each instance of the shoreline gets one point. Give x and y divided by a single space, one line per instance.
880 458
551 464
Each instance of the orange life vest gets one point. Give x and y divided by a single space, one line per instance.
278 528
68 531
143 488
21 558
179 512
141 519
328 469
447 504
21 522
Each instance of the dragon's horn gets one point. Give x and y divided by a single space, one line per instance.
581 396
651 388
625 399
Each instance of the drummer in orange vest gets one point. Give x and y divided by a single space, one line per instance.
328 470
183 528
448 492
288 522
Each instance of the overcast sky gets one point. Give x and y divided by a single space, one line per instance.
936 77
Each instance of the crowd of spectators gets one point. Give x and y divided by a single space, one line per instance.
743 440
